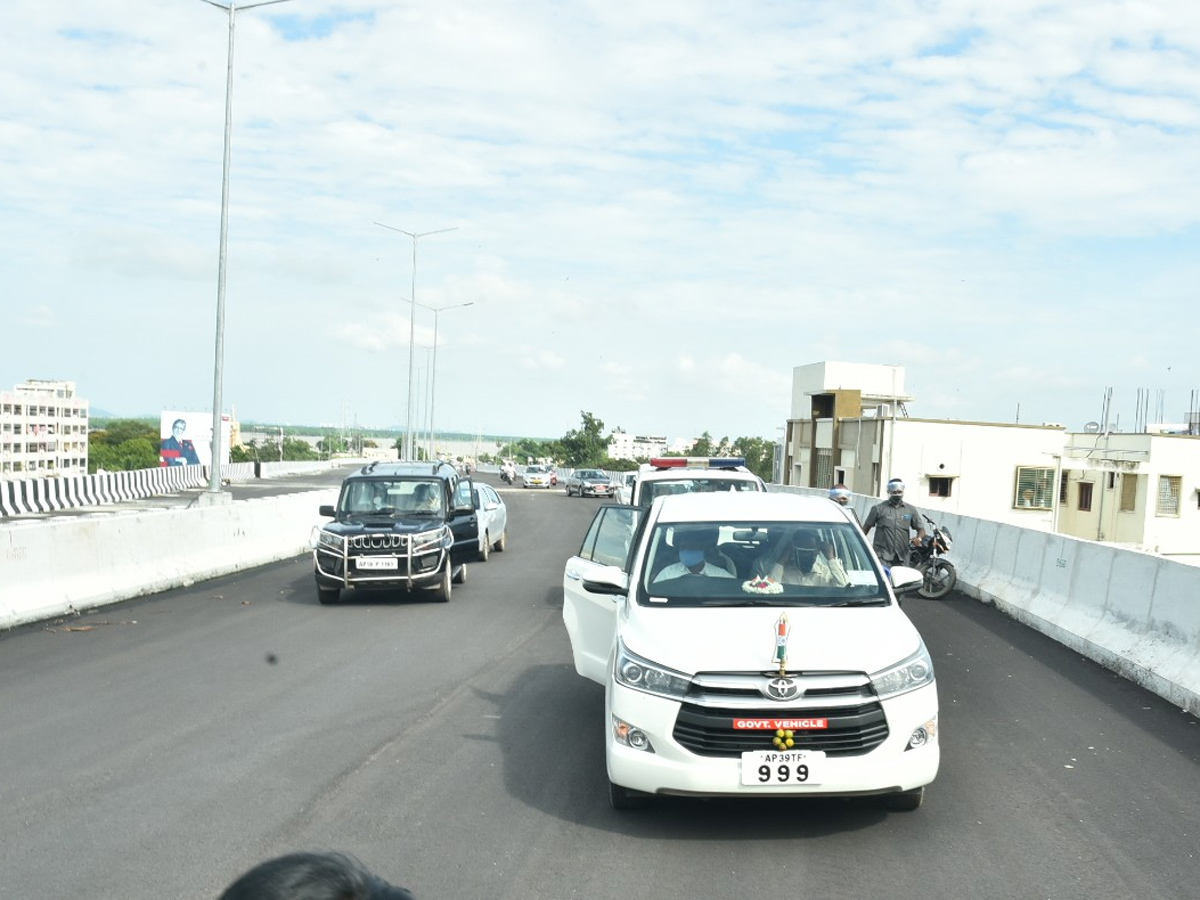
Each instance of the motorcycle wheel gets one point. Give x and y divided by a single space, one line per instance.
940 578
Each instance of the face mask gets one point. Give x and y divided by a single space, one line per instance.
896 499
805 559
691 558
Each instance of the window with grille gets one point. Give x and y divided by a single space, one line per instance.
824 469
1169 489
1034 488
940 487
1063 485
1085 496
1128 501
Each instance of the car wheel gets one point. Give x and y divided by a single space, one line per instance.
460 574
441 593
623 798
503 542
328 595
905 801
485 547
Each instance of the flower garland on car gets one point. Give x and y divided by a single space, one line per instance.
762 584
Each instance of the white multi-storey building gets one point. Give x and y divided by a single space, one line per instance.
849 424
43 430
622 445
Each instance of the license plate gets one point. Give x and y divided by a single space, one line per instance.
769 768
376 562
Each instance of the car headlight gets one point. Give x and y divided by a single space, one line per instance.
428 541
327 539
907 675
632 671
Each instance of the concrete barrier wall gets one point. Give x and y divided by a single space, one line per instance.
26 496
1134 613
50 567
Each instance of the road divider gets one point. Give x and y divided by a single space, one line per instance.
56 566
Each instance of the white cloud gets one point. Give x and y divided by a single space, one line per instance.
647 197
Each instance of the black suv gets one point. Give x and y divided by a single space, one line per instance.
406 526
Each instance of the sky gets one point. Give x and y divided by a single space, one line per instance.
655 211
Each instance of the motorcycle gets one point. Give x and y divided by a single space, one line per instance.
508 476
926 556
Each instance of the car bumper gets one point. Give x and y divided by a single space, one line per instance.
537 484
673 769
591 491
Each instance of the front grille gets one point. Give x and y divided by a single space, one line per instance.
852 731
380 541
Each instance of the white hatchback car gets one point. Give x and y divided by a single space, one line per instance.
751 645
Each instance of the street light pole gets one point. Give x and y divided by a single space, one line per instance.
214 469
412 327
436 310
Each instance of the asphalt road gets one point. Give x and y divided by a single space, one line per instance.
157 748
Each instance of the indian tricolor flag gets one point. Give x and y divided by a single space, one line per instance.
781 639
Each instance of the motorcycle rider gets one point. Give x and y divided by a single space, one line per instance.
509 472
892 520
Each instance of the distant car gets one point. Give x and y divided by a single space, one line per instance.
493 520
625 487
691 475
539 476
590 483
402 525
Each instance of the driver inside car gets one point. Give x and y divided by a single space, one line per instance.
694 545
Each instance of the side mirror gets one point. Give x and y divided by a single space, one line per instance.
326 510
906 579
609 580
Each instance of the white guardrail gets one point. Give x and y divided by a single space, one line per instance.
1135 613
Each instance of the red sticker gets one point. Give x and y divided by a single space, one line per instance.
777 724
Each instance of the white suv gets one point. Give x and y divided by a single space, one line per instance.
751 645
666 475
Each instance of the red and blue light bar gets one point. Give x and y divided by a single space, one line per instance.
698 462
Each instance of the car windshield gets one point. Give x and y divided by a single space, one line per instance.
392 497
751 563
652 489
534 470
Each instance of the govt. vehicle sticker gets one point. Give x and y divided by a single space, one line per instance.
776 724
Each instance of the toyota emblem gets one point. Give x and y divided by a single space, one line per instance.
781 689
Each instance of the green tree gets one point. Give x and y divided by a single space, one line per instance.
759 454
587 445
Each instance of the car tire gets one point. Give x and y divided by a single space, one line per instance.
501 544
460 575
328 595
441 593
485 547
622 798
905 801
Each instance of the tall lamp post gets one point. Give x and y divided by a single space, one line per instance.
214 469
436 310
409 448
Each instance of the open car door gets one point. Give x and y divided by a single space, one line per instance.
591 615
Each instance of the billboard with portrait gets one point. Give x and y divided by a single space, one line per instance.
185 438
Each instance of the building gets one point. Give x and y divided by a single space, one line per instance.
849 423
622 445
43 430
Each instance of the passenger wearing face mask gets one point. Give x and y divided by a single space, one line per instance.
802 563
693 545
894 521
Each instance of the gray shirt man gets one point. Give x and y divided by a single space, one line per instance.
893 524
